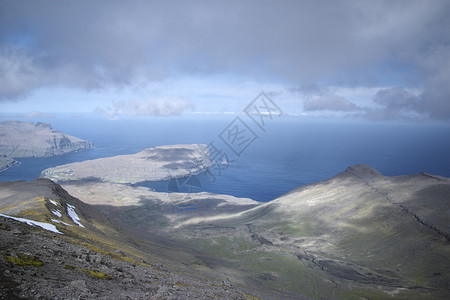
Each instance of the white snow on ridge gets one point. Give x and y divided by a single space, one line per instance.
57 213
53 202
61 222
43 225
73 215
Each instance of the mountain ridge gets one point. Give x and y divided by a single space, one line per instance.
357 234
90 256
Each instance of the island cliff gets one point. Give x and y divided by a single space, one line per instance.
26 139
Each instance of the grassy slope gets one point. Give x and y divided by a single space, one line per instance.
339 238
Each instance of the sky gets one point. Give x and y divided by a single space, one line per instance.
365 60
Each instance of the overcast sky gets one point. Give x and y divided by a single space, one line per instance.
374 60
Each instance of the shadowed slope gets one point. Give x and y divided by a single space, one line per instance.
358 233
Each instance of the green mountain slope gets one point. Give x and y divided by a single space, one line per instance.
357 234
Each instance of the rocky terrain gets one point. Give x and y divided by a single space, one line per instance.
27 139
152 164
83 255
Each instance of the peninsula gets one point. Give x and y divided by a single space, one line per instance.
151 164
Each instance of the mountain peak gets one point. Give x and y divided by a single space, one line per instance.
363 171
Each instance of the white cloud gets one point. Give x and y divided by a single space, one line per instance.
36 114
151 107
328 102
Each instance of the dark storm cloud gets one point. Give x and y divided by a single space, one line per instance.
396 103
436 95
96 44
397 98
400 103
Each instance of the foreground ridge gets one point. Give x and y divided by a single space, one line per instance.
98 260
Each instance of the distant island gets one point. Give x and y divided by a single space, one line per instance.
151 164
7 162
27 139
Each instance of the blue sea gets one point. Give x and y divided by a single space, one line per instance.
267 162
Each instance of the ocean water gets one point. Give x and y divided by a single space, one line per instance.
288 153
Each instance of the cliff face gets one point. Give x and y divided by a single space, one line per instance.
26 139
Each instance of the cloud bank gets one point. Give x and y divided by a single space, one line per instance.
93 45
391 104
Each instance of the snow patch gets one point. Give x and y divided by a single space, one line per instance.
53 202
73 215
57 213
61 222
43 225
